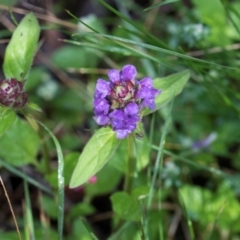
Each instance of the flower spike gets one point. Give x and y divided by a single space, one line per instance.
120 101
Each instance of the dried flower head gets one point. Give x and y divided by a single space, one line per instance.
120 101
12 93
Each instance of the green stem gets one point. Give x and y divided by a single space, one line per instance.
131 165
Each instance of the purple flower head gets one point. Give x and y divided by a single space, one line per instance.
119 102
12 93
205 143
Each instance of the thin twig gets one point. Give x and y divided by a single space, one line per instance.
88 70
174 224
3 41
11 209
48 18
213 50
79 87
101 216
7 23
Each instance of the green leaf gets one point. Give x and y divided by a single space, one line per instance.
19 145
103 185
21 49
81 230
220 207
95 155
7 118
213 15
171 86
120 160
125 206
81 209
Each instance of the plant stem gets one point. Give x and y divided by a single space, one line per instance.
131 165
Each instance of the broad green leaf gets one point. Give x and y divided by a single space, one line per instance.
21 49
213 14
171 86
140 192
81 209
103 185
95 155
19 145
125 206
7 118
120 160
80 230
220 207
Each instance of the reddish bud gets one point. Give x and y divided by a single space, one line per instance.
12 93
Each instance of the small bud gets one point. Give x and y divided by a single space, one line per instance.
12 93
92 179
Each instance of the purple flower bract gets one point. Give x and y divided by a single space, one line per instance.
120 101
12 93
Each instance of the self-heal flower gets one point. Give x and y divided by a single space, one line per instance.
120 101
12 93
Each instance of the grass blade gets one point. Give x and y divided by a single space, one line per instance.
157 170
194 164
159 4
24 176
60 182
29 217
159 49
189 222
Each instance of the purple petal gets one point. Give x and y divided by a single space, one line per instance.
128 72
101 119
148 103
118 124
101 106
205 143
155 92
117 114
144 93
102 89
131 109
131 124
122 133
146 82
114 75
